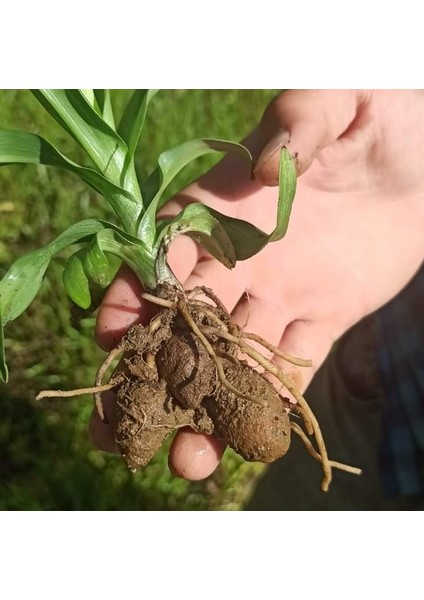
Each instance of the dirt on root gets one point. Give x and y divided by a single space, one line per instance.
184 370
169 378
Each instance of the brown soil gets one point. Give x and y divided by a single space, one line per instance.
185 370
169 381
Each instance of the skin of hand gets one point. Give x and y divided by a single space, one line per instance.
355 236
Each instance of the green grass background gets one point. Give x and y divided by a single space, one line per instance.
46 459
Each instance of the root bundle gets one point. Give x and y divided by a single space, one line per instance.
186 369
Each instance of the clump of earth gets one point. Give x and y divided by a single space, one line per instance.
187 368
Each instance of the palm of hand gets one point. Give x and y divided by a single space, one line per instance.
354 240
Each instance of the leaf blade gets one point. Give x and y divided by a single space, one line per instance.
76 282
171 163
139 257
72 110
132 122
18 147
197 221
21 283
23 280
245 238
286 193
99 267
104 102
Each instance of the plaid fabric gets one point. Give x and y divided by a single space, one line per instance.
400 360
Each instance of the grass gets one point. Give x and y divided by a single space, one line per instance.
46 459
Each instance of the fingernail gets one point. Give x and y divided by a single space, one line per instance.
280 139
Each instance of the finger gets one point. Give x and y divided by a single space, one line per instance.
194 456
120 308
308 340
123 306
303 121
101 432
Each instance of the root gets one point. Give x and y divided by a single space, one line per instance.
99 379
158 301
98 389
155 323
300 362
213 317
202 289
182 308
309 418
233 333
311 450
150 360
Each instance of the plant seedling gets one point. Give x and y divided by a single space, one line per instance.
185 367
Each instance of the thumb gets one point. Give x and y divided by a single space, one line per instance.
303 121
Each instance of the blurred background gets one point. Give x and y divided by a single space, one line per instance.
46 459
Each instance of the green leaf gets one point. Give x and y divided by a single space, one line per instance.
21 283
287 191
87 272
72 110
4 373
171 163
104 104
89 96
139 257
75 280
100 268
197 221
245 239
97 263
132 122
23 280
20 147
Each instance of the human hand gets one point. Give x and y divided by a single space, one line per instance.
354 239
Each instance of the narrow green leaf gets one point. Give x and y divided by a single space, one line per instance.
132 122
132 251
100 267
21 147
75 280
4 373
287 190
87 271
89 96
171 163
79 118
22 281
197 221
245 239
104 104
